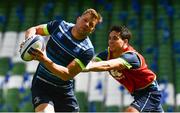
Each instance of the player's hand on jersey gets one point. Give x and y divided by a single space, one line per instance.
38 54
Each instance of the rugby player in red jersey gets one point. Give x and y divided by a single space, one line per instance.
129 68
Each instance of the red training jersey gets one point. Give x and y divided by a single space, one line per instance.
133 79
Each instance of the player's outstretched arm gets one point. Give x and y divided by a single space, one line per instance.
114 64
65 73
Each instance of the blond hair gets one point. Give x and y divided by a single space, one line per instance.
94 14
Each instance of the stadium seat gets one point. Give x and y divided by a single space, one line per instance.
1 38
31 66
25 104
21 37
42 17
19 68
116 96
3 14
96 106
59 10
11 99
178 102
26 107
5 65
11 93
13 21
81 91
113 95
29 13
96 91
82 100
73 11
112 108
85 4
168 94
1 91
8 44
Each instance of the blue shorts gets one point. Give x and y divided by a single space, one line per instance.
62 98
148 99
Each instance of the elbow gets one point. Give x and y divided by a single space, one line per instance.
65 77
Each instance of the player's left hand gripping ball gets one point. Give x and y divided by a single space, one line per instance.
35 42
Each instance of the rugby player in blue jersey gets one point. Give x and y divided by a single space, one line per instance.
68 51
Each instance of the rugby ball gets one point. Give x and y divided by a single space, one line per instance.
36 41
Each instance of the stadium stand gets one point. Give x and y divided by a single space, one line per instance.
96 91
81 88
0 38
8 44
113 95
155 26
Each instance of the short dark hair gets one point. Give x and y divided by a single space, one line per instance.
124 31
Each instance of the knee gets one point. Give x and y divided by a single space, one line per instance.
131 109
45 108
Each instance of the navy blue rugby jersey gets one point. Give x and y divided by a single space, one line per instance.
62 48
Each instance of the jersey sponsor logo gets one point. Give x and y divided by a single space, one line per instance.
117 75
136 104
36 100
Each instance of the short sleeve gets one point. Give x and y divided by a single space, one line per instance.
52 25
85 57
132 58
102 55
